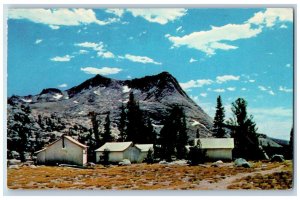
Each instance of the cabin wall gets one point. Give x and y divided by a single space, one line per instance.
114 156
219 154
70 154
142 156
40 158
132 154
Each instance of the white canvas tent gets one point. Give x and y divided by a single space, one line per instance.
65 150
124 150
217 148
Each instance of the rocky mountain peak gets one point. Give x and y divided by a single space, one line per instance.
156 94
51 91
97 80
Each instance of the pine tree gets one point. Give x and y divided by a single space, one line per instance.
182 137
173 137
197 134
135 122
219 119
122 125
107 132
149 135
244 131
95 125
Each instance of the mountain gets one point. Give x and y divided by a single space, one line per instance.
156 95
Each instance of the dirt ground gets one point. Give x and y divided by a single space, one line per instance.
262 175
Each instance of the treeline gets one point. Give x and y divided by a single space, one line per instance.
243 129
136 126
27 134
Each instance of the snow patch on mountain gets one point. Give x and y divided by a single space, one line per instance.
27 100
57 96
126 89
97 93
195 123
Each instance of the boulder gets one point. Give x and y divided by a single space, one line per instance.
33 166
163 162
241 162
217 163
13 162
13 167
15 155
179 162
125 162
277 158
90 164
28 163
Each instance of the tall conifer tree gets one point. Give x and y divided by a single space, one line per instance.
219 119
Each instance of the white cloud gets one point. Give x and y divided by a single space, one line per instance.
271 16
231 88
38 41
273 112
251 80
283 26
102 71
271 92
214 39
262 88
284 89
160 15
196 83
288 65
106 54
167 35
225 78
140 59
63 85
243 89
95 46
65 58
203 94
82 51
99 47
179 28
54 27
217 38
116 11
219 90
275 122
193 60
265 89
58 17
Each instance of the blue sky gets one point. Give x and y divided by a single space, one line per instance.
229 52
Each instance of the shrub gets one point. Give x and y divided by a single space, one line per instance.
197 155
150 156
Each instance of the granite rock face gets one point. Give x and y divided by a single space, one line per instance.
69 109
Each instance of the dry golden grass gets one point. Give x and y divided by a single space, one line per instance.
282 180
136 177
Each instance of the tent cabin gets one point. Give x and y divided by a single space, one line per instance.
216 148
65 150
117 151
124 150
143 148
